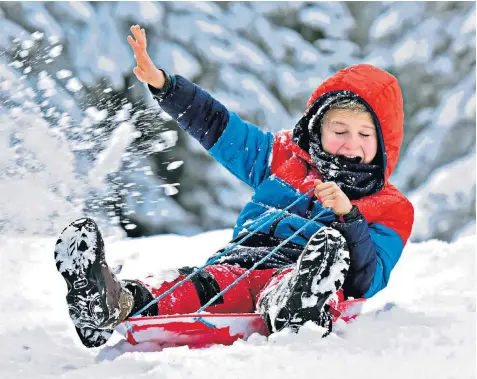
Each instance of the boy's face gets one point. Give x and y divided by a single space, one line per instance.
349 133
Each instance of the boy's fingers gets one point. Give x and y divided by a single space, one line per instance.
324 186
133 30
328 198
140 55
138 50
139 74
132 43
326 192
143 36
136 31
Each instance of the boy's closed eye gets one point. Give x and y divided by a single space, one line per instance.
340 133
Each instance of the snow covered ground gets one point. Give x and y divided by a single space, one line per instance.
421 326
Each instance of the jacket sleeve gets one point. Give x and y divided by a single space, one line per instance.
362 253
241 147
374 251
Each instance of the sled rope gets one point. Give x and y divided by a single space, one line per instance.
213 259
246 273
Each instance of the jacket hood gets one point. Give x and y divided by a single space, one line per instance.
379 91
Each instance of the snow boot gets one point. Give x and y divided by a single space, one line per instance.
302 294
97 300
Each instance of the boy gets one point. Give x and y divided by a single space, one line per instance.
345 147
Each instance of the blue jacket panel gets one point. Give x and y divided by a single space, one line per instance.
264 213
244 150
389 247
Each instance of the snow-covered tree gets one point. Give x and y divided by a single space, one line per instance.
66 68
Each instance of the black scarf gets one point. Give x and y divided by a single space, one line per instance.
356 180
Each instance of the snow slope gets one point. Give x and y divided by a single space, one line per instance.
427 329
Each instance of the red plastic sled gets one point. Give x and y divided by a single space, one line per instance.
215 328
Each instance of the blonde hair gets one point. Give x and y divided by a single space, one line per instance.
352 105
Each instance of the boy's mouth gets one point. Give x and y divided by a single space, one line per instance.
351 159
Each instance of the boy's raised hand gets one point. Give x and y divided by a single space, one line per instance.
145 70
331 196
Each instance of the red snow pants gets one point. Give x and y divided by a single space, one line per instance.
191 295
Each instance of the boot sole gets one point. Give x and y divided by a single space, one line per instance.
307 298
79 257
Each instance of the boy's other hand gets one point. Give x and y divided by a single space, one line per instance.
145 70
331 196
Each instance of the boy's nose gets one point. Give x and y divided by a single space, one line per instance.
351 143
